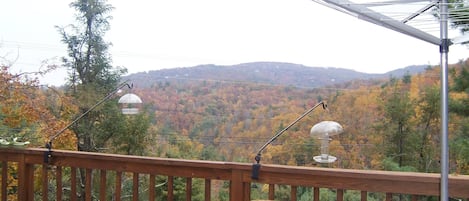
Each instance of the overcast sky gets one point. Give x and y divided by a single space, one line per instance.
156 34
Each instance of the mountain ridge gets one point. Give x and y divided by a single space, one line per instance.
274 73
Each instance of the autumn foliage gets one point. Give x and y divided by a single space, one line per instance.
390 124
33 113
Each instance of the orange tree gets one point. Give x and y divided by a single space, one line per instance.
29 113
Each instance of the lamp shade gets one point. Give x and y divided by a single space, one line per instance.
130 98
129 102
330 128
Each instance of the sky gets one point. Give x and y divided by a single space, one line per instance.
159 34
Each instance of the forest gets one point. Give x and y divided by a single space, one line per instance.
391 124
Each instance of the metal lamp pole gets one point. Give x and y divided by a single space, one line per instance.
444 49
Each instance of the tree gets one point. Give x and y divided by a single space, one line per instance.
459 104
91 75
428 114
131 136
461 85
30 113
398 113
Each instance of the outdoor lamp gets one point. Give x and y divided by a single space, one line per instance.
128 100
257 166
323 131
129 103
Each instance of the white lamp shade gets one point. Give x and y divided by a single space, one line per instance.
129 103
130 99
326 127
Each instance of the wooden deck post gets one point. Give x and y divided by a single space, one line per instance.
236 186
25 183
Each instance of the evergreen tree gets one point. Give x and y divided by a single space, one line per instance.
91 76
429 128
398 113
461 85
460 105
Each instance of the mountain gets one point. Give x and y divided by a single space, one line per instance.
221 113
414 69
272 73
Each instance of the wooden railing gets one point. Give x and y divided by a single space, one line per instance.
25 175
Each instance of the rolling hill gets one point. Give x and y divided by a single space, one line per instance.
272 73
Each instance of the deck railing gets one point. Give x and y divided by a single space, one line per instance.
25 175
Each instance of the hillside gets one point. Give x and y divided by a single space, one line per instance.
272 73
223 113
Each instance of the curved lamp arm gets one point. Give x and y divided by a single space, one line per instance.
48 154
256 167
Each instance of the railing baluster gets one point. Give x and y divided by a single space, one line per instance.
151 188
271 191
102 185
30 174
388 196
316 193
4 180
45 183
208 189
188 188
170 188
22 181
73 184
88 184
135 187
118 192
236 185
30 182
364 196
293 193
58 180
340 194
247 191
25 181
